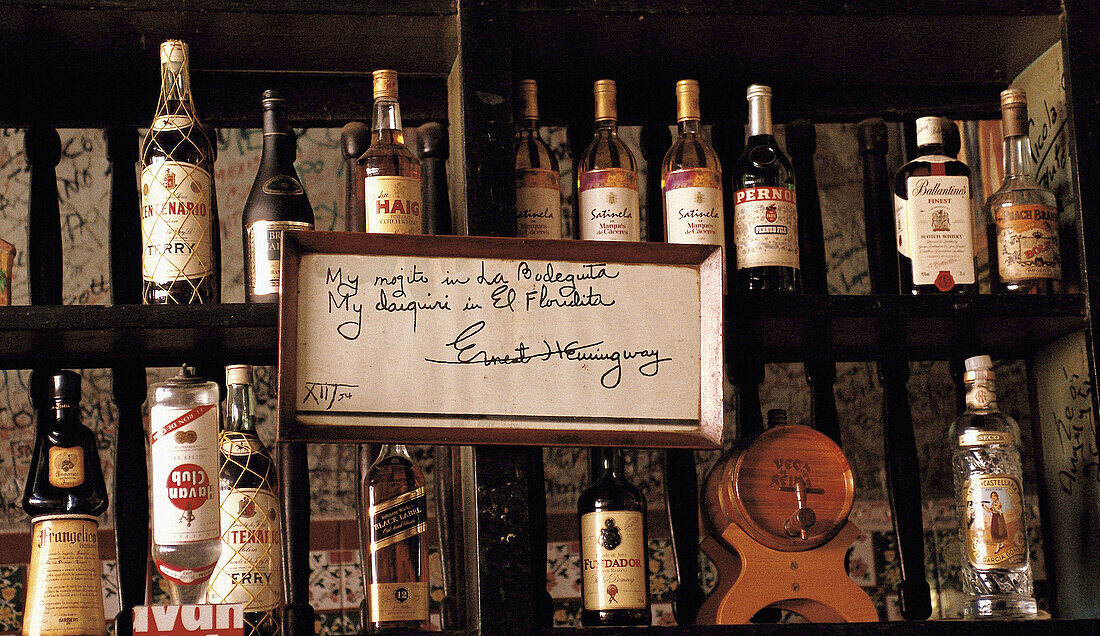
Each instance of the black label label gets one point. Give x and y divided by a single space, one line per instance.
398 519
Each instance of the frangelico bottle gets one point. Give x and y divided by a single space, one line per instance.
276 202
181 253
394 516
538 194
64 495
391 173
614 566
607 177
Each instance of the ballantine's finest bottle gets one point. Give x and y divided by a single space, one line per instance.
1025 255
614 578
996 570
934 221
538 195
607 177
276 202
391 174
181 253
394 509
250 570
765 216
691 179
65 494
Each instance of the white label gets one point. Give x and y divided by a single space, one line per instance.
609 214
941 237
176 228
901 223
185 474
250 569
393 205
765 227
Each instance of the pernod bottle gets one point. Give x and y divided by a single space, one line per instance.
391 173
183 418
538 194
607 177
996 571
179 216
276 202
65 494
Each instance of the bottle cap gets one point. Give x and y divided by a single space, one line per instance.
606 93
528 99
385 84
173 52
929 131
1013 112
271 97
978 368
65 388
760 109
758 90
239 374
776 417
687 100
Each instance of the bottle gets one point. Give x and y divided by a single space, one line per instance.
394 549
538 195
181 253
1025 255
607 178
64 495
765 216
250 570
934 221
614 577
691 179
996 570
183 420
391 174
276 202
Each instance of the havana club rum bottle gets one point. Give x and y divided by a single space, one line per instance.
250 569
65 494
391 173
607 177
181 253
394 508
538 194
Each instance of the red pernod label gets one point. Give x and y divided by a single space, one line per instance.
189 620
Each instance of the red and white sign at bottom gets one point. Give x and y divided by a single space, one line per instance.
189 620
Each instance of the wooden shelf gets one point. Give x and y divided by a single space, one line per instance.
800 7
917 628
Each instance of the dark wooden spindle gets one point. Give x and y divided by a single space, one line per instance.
656 140
434 150
354 141
42 146
294 473
449 539
882 250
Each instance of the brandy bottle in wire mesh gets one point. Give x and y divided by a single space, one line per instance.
250 568
179 216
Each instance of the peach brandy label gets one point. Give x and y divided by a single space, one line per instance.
608 205
613 560
393 205
1027 242
538 204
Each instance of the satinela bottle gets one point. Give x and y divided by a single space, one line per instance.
934 221
691 179
391 173
614 577
1025 254
183 420
996 568
64 496
250 570
276 202
394 516
607 177
538 194
765 216
181 253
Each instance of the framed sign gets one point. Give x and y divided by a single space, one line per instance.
468 340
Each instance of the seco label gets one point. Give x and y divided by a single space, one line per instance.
176 230
66 466
185 476
1027 242
393 205
765 227
993 522
265 253
608 205
64 580
189 620
538 204
613 561
941 238
250 568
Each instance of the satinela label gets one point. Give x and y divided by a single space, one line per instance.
64 580
613 560
993 523
185 476
176 212
398 519
765 228
941 237
249 571
693 207
393 205
1027 242
265 252
608 205
390 602
538 204
901 224
66 466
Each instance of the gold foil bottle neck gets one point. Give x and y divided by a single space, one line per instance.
1013 112
529 99
687 100
173 52
607 108
385 85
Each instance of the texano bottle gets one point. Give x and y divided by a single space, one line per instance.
607 177
538 194
391 173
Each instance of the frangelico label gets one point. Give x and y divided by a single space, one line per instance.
265 253
993 522
64 584
66 466
398 519
613 560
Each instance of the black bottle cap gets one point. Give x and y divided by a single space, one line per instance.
271 98
65 388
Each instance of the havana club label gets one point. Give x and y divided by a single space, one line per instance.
64 579
176 227
613 561
265 240
398 519
393 205
608 205
250 569
185 475
405 602
765 227
66 466
992 522
941 235
1027 242
538 204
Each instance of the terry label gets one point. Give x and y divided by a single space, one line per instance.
613 560
538 204
64 580
391 602
987 438
265 252
393 205
765 228
398 519
1027 242
608 203
993 524
176 208
185 475
249 571
941 239
66 467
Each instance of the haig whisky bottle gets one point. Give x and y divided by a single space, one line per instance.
607 177
391 173
538 194
181 253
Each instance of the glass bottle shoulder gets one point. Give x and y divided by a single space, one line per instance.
183 395
983 421
762 163
1021 190
690 151
185 145
532 153
387 156
611 494
607 151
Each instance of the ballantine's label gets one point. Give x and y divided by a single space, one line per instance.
66 466
265 252
765 227
992 520
185 476
538 204
1027 242
249 571
613 560
941 238
393 205
176 211
608 205
64 580
391 602
398 519
901 223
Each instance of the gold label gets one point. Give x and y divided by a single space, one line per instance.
993 525
176 228
250 569
1027 242
66 467
233 443
538 204
941 236
613 561
65 583
608 203
765 228
398 519
986 438
393 205
398 602
265 253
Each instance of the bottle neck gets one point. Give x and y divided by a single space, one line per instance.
760 116
612 463
1017 162
175 83
529 125
278 137
688 127
981 395
607 128
394 449
240 408
64 417
387 119
934 148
